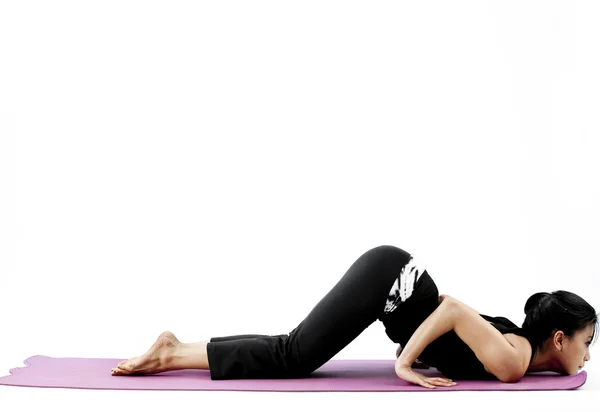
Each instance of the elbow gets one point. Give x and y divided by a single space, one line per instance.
509 375
508 369
511 379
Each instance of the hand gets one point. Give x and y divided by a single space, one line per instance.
406 373
417 364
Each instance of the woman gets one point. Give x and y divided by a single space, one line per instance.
387 284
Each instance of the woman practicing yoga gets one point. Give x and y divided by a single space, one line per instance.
387 284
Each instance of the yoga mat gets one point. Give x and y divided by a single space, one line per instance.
334 376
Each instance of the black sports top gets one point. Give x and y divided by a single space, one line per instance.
454 359
448 353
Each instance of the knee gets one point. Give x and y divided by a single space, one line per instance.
387 249
303 369
389 252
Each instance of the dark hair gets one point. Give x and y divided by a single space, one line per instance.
560 310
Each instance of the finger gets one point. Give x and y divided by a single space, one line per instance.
441 378
446 384
441 381
425 383
438 379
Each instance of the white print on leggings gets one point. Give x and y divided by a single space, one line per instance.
404 284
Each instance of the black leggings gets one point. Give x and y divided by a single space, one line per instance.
354 303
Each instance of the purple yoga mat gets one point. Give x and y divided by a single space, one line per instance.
334 376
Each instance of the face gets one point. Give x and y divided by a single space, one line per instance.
575 351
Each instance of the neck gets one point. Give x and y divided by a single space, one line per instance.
544 361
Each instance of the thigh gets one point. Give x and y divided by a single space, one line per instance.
353 304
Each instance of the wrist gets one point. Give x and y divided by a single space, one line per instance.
408 356
402 362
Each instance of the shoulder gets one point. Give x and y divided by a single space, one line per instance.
498 356
521 344
523 349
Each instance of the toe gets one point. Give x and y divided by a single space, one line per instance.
119 371
127 365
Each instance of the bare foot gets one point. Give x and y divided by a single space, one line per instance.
156 360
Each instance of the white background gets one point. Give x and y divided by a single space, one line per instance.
214 168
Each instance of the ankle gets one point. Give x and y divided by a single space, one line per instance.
189 356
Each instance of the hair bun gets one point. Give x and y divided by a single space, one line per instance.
535 300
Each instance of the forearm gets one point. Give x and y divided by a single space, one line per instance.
440 321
